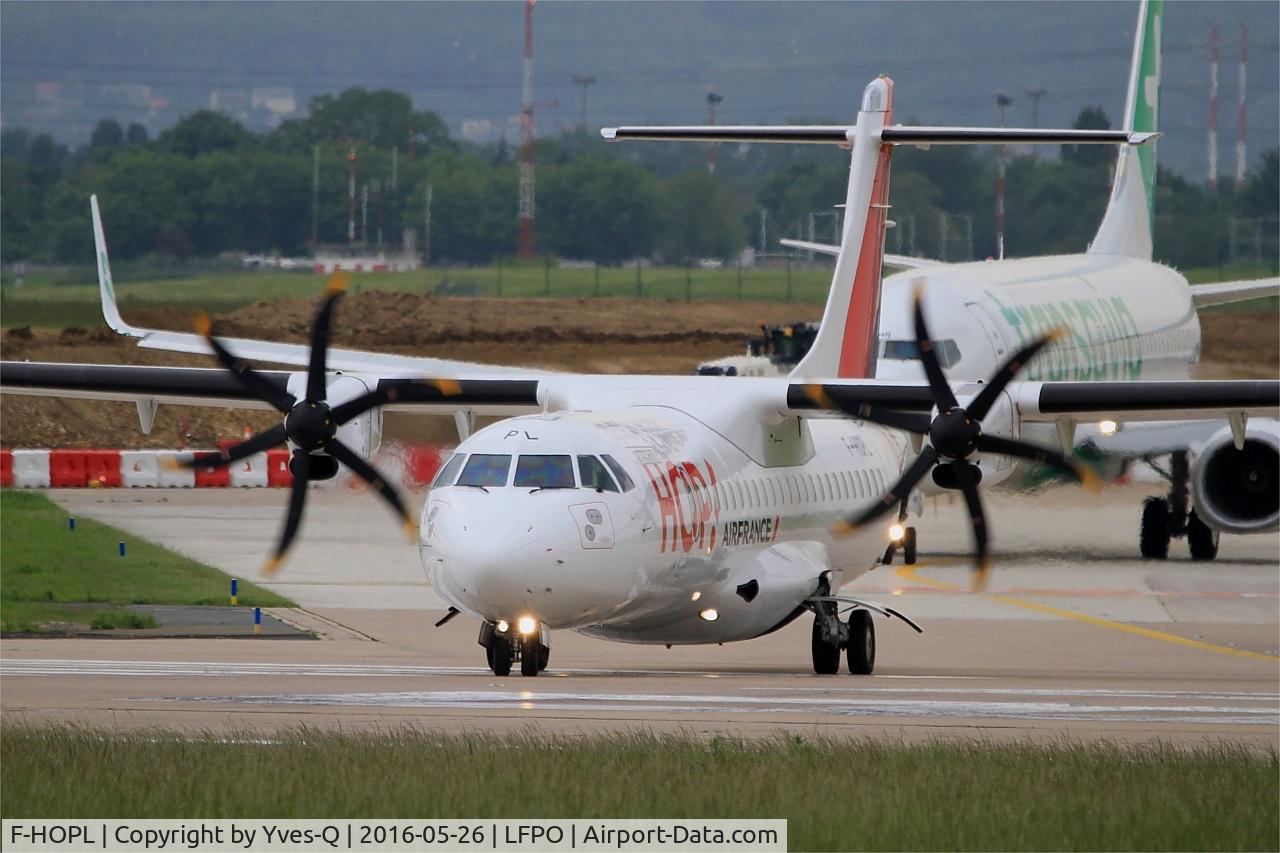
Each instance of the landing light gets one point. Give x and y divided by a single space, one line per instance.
503 626
1108 427
896 532
696 595
709 614
526 625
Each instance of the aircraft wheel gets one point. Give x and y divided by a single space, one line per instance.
862 643
908 547
498 653
826 656
530 654
544 657
1201 538
1153 538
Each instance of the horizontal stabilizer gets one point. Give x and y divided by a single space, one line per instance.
1223 292
895 135
903 261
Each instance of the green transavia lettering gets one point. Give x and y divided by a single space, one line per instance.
1102 339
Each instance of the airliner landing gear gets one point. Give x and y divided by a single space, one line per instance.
857 637
861 649
1169 518
907 542
503 646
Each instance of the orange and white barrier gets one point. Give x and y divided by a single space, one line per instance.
413 466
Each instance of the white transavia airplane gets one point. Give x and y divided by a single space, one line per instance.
662 509
1126 317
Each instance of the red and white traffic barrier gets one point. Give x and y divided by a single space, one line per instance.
414 466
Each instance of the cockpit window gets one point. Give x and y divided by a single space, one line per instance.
594 475
449 471
486 469
619 472
544 471
948 352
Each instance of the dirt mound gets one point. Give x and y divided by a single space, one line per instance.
588 335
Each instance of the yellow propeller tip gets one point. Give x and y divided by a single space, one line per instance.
203 323
1056 334
980 577
170 464
272 566
447 387
843 528
410 529
337 283
1088 479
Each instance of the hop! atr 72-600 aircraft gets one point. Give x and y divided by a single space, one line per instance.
1125 317
662 509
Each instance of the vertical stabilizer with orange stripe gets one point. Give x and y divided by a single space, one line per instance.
847 339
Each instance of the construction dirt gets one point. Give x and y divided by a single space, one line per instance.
587 335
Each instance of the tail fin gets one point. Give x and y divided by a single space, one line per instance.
846 343
110 311
1126 227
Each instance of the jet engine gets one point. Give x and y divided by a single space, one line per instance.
1238 491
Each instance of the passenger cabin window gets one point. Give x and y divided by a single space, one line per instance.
619 472
544 471
449 470
594 475
486 469
948 352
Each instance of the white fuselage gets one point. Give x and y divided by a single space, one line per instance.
719 516
1125 318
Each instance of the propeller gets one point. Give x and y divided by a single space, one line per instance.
954 437
310 425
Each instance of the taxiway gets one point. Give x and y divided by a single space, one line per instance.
1076 638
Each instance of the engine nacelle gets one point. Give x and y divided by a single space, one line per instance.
362 434
1238 491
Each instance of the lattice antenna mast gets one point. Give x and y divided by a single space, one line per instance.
1242 158
526 245
1213 106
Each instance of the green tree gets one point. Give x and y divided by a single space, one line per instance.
107 134
382 118
204 132
1095 156
703 217
599 210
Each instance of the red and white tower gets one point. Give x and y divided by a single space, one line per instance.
1213 106
526 245
1242 159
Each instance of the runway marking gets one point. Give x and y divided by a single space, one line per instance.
12 667
533 701
909 573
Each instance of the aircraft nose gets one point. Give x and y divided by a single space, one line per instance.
500 563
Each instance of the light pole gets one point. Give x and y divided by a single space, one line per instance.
584 80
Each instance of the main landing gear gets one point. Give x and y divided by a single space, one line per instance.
857 638
1167 518
505 646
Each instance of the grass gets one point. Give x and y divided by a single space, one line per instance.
49 574
854 794
59 305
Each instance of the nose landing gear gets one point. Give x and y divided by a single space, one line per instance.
503 647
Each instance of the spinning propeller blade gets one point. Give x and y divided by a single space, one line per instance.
310 425
954 437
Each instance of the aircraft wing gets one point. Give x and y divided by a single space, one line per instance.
275 353
1223 292
199 386
1070 401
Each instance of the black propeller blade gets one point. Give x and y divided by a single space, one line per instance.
954 436
310 425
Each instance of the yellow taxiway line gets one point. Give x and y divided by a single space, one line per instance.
908 573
